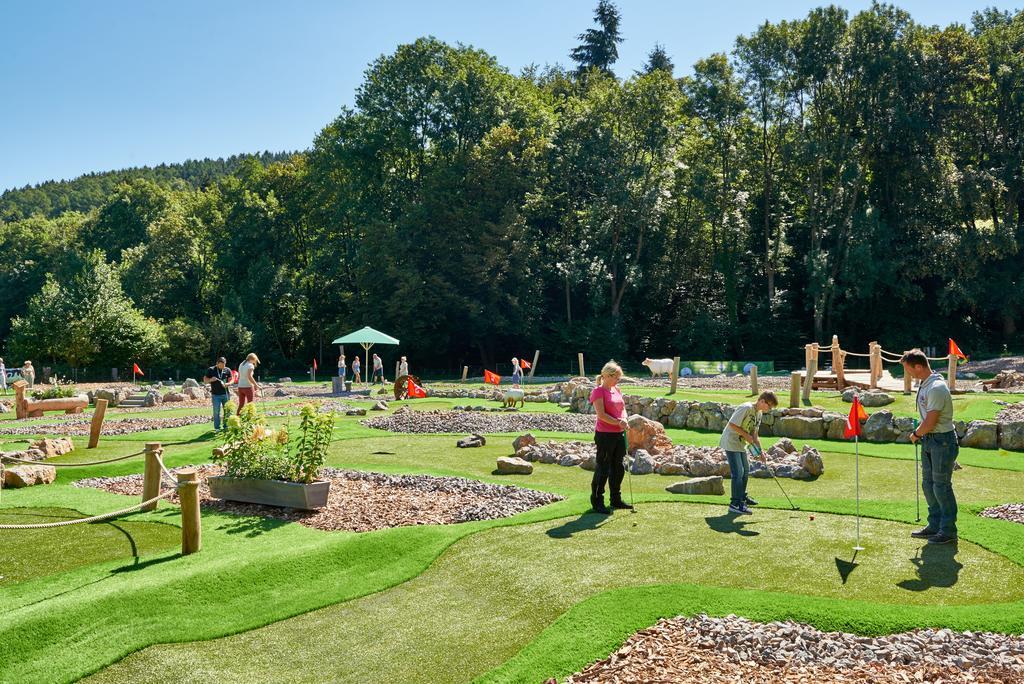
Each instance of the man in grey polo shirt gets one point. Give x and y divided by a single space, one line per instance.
939 448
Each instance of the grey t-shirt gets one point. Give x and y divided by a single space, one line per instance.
934 395
746 417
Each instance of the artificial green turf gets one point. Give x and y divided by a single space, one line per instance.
252 572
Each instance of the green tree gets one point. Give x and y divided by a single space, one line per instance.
599 47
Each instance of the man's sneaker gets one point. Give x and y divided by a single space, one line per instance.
942 538
749 502
926 533
598 505
740 510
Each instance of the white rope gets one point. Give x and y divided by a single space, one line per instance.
93 518
12 459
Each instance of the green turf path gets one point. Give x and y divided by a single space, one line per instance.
489 589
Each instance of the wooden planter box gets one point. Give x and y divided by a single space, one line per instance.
271 492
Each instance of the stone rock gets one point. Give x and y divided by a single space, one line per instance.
510 465
471 441
285 379
523 441
786 445
380 406
880 427
174 397
29 475
672 469
280 392
1011 436
698 485
113 396
4 408
800 427
836 429
810 460
194 393
53 447
677 418
152 398
849 393
904 426
875 399
642 464
356 412
981 434
190 383
649 435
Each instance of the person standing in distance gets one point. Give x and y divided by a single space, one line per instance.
403 367
378 370
218 377
3 376
341 368
247 384
939 448
517 373
609 438
356 370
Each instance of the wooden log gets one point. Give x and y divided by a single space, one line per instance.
536 356
465 373
951 378
97 423
583 372
191 526
837 363
810 380
20 410
675 374
151 475
873 373
753 381
794 389
906 382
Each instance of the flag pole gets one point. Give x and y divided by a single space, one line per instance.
856 449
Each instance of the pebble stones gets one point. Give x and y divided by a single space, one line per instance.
1014 512
440 422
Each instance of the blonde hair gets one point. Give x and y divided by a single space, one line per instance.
253 357
611 368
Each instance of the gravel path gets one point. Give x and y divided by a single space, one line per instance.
80 426
362 501
1012 413
459 422
734 649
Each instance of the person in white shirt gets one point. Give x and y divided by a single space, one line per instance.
247 384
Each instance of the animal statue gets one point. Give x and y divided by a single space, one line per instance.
512 396
659 366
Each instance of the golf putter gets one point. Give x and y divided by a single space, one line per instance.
629 475
757 452
917 473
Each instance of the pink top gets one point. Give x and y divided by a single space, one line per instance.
614 406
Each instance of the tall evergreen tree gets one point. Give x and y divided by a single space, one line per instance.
599 47
658 59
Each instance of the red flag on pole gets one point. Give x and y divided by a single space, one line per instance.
954 350
234 376
523 363
853 421
314 363
415 391
136 369
492 378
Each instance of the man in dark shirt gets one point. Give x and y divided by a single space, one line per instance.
218 377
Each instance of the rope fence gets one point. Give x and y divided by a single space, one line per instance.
92 518
12 459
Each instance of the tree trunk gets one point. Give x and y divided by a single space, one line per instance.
568 301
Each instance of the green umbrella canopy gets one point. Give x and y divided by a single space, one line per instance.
366 337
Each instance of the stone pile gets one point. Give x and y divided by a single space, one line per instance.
126 426
42 449
1007 379
407 420
731 649
538 395
1011 413
1014 512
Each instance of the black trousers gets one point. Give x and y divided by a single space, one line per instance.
611 449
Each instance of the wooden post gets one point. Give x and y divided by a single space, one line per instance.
191 528
873 364
465 373
536 356
906 382
151 475
837 363
810 380
753 381
583 373
951 380
794 389
97 423
675 374
20 403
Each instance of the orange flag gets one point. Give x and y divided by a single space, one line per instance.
955 350
314 363
853 421
492 378
415 391
523 363
136 369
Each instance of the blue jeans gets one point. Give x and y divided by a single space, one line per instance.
219 401
739 473
341 373
938 453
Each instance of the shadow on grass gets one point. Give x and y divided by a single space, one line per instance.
937 566
731 524
252 526
587 521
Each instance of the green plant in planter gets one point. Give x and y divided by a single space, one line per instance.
313 442
55 391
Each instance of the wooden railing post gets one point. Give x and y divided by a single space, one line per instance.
951 380
675 375
810 379
465 373
151 475
583 372
906 382
97 423
873 358
794 389
536 357
191 526
837 363
753 381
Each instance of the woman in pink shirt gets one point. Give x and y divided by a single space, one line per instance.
608 435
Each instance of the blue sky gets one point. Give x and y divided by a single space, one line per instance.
94 86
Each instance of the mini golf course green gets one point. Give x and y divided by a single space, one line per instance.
539 594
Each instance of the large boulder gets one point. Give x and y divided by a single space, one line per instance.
193 392
810 460
190 383
649 435
698 485
800 427
153 398
642 464
53 447
510 465
880 427
981 434
1011 436
113 395
29 475
471 441
523 441
875 399
174 397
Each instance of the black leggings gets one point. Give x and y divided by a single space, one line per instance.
611 449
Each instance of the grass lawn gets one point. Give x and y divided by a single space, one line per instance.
520 599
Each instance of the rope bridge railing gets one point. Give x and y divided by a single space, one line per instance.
185 484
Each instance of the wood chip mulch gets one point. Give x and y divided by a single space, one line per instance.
363 501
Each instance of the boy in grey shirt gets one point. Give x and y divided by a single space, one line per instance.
939 448
743 427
